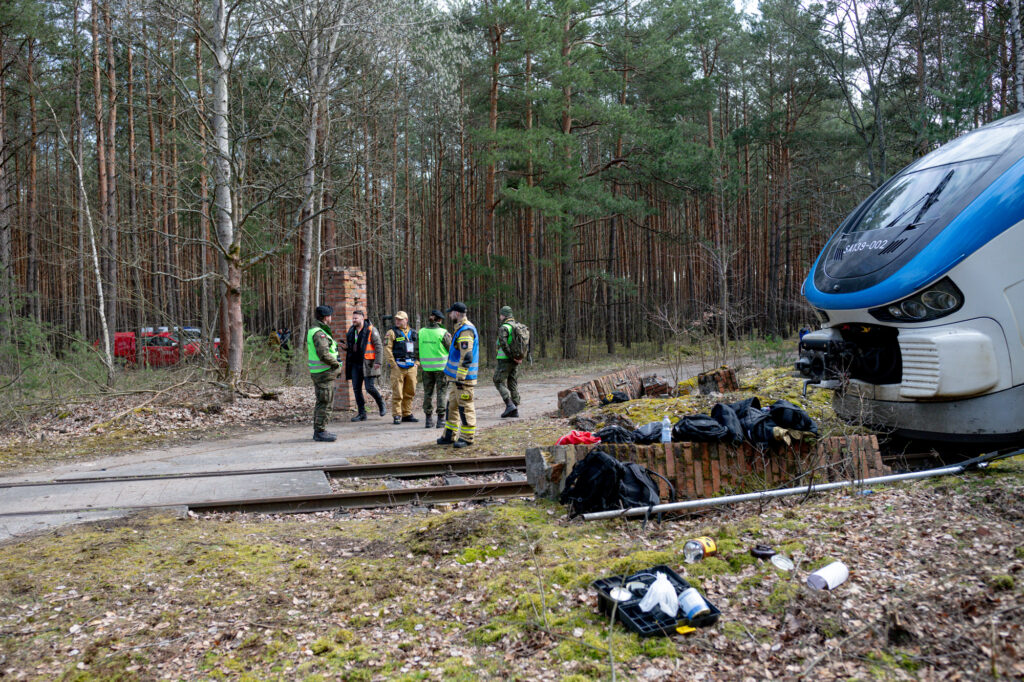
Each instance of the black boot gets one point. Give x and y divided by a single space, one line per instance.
430 422
361 417
440 422
511 410
461 444
447 438
410 418
397 420
324 436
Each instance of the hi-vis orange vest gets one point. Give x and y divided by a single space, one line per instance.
371 352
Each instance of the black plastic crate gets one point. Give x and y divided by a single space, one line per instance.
655 622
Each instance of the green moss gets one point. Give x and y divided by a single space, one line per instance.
455 670
713 565
492 632
637 561
1019 552
474 554
780 596
736 632
321 646
1001 583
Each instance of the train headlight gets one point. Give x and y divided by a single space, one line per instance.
940 299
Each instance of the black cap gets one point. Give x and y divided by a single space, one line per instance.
323 311
437 313
458 307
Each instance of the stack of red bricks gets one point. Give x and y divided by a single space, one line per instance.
627 381
345 291
721 380
709 469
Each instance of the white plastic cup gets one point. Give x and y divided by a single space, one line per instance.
829 577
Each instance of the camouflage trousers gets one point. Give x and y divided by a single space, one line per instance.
506 380
434 385
323 386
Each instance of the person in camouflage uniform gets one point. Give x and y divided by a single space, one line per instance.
322 355
506 374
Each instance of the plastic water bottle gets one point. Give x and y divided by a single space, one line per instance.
666 430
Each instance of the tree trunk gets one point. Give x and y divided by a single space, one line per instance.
1018 52
112 240
227 237
32 201
6 209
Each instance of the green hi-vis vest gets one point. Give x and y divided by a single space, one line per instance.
432 352
507 328
316 365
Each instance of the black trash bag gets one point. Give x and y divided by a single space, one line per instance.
615 397
699 428
727 417
757 425
593 484
648 434
614 434
789 416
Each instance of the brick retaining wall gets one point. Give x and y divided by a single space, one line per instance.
709 469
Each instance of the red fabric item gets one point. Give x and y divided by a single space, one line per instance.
578 438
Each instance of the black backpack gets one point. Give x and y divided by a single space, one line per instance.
600 482
593 484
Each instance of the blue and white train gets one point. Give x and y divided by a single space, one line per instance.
921 297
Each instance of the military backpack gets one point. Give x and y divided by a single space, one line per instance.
518 339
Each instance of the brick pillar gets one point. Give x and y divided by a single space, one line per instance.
345 291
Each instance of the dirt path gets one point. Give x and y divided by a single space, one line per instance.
38 508
293 445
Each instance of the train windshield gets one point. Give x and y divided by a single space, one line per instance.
915 197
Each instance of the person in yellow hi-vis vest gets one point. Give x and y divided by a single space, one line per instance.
461 370
434 343
322 355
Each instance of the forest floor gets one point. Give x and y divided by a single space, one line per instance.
487 591
936 590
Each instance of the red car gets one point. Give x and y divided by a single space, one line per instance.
160 349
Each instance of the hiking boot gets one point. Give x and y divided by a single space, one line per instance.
430 422
461 444
511 409
361 417
397 420
410 418
447 438
380 406
324 436
440 422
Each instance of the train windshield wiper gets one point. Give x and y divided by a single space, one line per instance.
933 196
928 198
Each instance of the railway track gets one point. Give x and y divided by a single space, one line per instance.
371 499
276 490
411 469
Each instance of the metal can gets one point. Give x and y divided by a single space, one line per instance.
699 548
692 604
